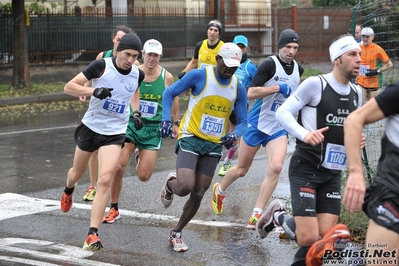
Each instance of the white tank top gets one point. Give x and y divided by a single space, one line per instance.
266 121
111 115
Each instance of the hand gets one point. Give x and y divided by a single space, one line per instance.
138 123
372 72
228 140
316 137
102 93
355 189
166 129
285 90
181 75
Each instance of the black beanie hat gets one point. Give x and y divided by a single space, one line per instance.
129 41
287 36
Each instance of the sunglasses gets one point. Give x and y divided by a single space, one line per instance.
366 36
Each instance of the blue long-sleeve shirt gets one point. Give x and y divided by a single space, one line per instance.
196 80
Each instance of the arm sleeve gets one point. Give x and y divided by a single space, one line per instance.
196 50
95 69
264 72
285 115
194 79
308 93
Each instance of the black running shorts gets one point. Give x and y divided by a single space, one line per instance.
88 140
313 190
382 206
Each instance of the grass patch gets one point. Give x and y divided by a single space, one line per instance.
6 91
308 72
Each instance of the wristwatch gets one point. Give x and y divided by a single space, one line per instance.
177 123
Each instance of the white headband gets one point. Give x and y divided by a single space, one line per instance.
341 46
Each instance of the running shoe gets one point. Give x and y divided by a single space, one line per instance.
252 221
66 201
93 243
90 193
317 251
166 197
111 216
266 222
177 242
217 199
224 168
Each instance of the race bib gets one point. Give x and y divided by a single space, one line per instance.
274 104
212 125
148 108
113 107
363 70
335 157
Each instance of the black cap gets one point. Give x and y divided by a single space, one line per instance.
287 36
129 41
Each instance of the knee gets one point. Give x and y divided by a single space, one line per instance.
275 168
241 171
306 238
104 181
143 177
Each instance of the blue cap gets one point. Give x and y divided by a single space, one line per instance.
241 39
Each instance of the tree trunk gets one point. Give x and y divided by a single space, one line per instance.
21 74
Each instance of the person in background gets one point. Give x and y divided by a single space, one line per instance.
202 132
374 61
244 74
358 36
273 82
114 89
205 51
147 139
117 34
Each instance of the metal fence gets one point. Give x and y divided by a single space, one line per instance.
59 36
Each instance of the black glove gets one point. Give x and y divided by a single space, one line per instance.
138 123
181 75
102 93
228 140
166 129
372 72
141 76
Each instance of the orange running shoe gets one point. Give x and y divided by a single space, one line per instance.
319 250
92 242
66 201
111 216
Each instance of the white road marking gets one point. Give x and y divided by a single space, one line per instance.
60 253
14 205
37 129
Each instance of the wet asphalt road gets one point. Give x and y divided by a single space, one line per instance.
36 153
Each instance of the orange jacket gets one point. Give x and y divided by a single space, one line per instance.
373 57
